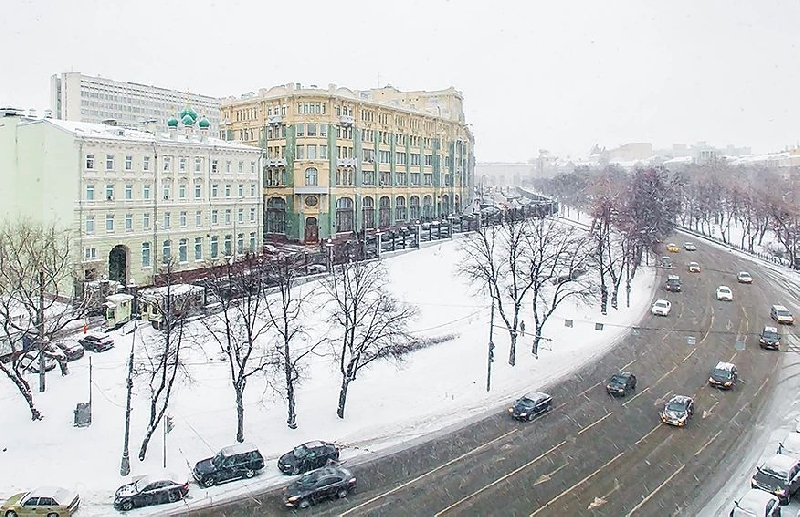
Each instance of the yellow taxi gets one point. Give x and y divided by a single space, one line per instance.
673 248
48 500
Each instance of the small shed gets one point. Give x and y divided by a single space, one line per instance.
118 309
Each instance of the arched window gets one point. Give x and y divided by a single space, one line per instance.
400 209
344 215
444 208
369 212
384 212
311 177
457 204
276 215
413 208
427 207
166 252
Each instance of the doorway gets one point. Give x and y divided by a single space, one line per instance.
312 230
118 264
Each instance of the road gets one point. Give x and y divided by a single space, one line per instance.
595 455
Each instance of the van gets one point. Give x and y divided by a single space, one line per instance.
781 314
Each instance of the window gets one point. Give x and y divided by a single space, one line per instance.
110 192
183 218
198 218
311 129
166 191
241 167
228 167
400 209
215 216
109 162
90 253
90 192
311 177
312 151
167 220
183 250
413 208
252 241
182 164
146 221
323 129
198 191
182 191
369 177
214 247
146 192
227 191
198 164
252 214
252 190
300 130
128 222
109 222
167 251
240 190
240 215
300 152
89 224
128 163
214 190
427 207
428 178
240 244
344 215
252 167
146 164
90 161
227 216
215 166
128 191
167 163
369 212
384 212
415 179
323 152
276 215
198 248
145 254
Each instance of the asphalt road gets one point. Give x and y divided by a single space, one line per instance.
595 455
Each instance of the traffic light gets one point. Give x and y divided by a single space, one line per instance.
168 423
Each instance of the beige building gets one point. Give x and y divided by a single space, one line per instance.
341 161
134 198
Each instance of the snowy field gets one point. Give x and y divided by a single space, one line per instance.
389 406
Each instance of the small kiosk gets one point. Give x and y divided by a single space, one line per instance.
119 308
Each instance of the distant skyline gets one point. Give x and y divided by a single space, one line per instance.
557 76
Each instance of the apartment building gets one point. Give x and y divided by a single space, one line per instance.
135 199
342 161
84 98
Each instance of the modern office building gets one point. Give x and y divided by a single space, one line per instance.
84 98
341 161
135 199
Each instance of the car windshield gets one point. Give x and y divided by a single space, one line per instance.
723 374
678 407
524 401
617 379
308 480
744 274
784 313
140 484
661 304
300 451
217 460
769 334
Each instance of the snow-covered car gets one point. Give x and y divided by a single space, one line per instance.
743 277
308 456
756 503
769 338
724 293
97 342
242 460
72 351
689 246
531 405
779 475
693 267
318 485
723 375
790 445
666 263
781 314
678 410
42 501
29 362
149 490
661 308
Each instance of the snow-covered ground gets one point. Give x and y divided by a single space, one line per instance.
389 405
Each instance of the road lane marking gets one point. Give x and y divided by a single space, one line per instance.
544 478
590 388
593 424
761 387
443 465
635 396
701 449
643 438
690 354
500 479
710 326
654 492
579 483
627 365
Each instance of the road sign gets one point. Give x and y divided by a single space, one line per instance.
690 340
739 344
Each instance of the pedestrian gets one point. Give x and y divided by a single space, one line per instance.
522 327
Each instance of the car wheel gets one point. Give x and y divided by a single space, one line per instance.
248 473
207 482
11 513
173 496
127 505
341 494
305 503
52 514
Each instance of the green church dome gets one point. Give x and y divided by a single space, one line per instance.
204 123
172 122
188 120
189 111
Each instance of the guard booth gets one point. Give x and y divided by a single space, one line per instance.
119 308
184 299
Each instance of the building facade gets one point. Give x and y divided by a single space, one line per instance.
341 162
134 199
83 98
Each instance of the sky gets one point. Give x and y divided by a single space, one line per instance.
560 76
389 403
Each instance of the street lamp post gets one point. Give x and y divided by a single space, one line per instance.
329 246
125 467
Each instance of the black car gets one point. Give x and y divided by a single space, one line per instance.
621 383
319 485
308 456
72 351
769 338
238 461
779 475
678 410
97 342
530 406
146 491
673 283
723 375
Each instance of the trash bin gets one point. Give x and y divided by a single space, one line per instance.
83 414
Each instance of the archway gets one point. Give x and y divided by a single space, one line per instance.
312 230
118 264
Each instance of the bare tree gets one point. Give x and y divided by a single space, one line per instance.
161 357
372 324
241 322
495 260
286 312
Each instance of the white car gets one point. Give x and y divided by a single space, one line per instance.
689 246
661 308
724 293
744 277
756 503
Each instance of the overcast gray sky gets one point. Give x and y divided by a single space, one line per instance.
556 75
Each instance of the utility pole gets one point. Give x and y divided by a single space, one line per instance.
491 351
40 321
125 467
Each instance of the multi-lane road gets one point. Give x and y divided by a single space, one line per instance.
595 455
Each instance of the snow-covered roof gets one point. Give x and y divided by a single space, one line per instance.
725 366
791 443
536 396
780 464
238 448
119 297
62 496
754 502
681 399
174 290
678 159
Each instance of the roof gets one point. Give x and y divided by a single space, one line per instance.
771 329
780 464
792 442
755 501
681 398
174 290
779 308
673 277
61 495
723 365
661 301
238 448
537 395
314 443
119 297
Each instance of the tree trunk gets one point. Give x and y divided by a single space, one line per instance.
143 449
291 419
342 397
239 388
24 390
512 353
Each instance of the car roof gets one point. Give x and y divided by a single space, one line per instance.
780 463
661 300
314 443
239 448
724 287
755 501
673 277
623 374
684 399
744 273
724 365
779 308
537 396
767 328
693 263
61 495
792 442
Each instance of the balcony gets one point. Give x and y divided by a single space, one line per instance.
346 162
275 162
346 120
274 119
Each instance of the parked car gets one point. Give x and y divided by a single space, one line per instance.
769 338
29 362
743 277
678 410
673 283
756 503
318 485
790 445
661 308
693 267
724 375
673 248
724 293
149 490
530 406
781 314
72 351
238 461
779 475
42 501
689 246
621 383
666 263
308 456
97 342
